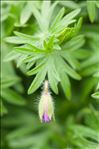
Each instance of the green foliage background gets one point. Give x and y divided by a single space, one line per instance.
58 41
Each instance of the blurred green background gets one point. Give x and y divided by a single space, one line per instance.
77 120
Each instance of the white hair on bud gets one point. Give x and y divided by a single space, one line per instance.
46 104
46 86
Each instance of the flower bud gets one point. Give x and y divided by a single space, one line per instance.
46 106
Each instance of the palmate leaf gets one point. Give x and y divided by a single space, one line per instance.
42 49
86 136
85 132
94 54
90 66
79 139
44 67
59 23
54 75
10 82
26 124
58 56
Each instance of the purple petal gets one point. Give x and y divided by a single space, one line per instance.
45 118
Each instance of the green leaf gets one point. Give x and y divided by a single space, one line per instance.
43 19
45 14
96 74
91 8
90 70
37 68
72 14
70 59
5 13
66 85
11 56
33 57
52 81
37 81
3 109
97 3
21 39
12 97
29 49
69 4
75 43
53 75
21 59
23 131
24 50
64 80
93 59
51 42
25 36
70 71
95 95
81 53
29 65
35 48
83 131
68 19
58 18
78 25
15 40
92 119
51 10
9 81
87 86
36 14
25 14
